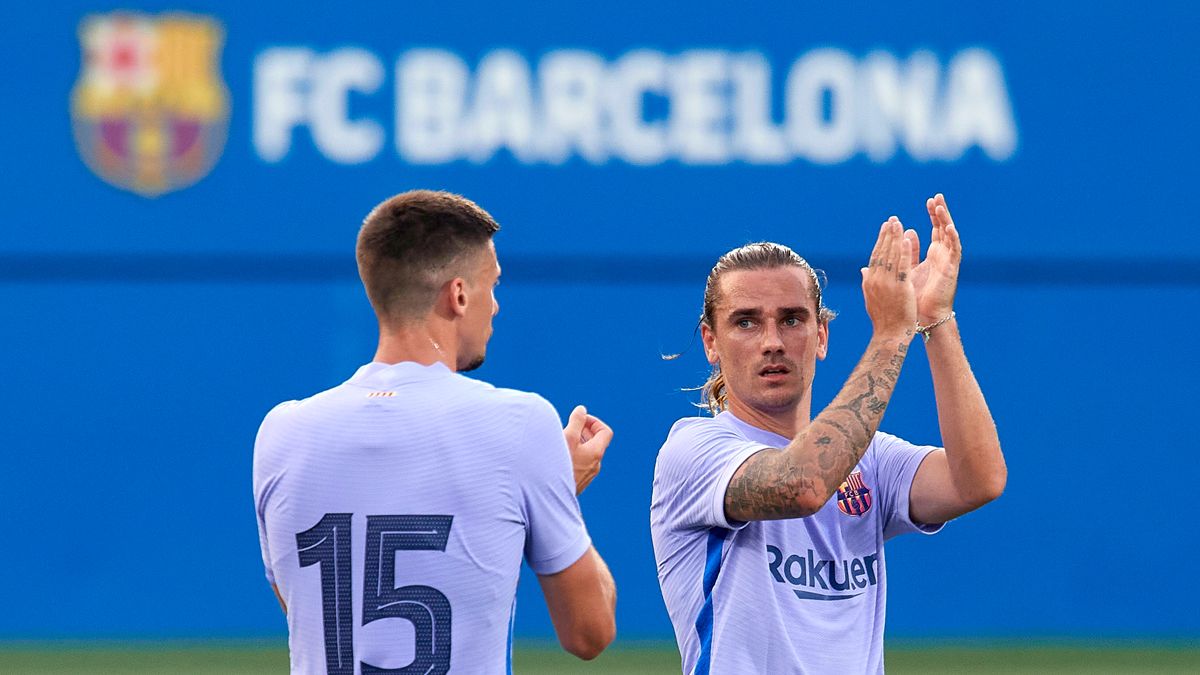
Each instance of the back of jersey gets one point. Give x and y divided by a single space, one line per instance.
394 511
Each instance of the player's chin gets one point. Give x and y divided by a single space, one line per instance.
778 397
471 364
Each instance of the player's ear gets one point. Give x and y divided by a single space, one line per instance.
709 339
457 288
822 339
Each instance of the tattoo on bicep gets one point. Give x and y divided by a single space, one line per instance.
768 486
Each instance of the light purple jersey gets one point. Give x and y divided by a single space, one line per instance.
394 511
805 595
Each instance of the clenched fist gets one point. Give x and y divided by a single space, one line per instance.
587 437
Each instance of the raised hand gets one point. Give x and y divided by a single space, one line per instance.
887 282
587 438
935 278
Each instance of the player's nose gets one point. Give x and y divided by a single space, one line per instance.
772 340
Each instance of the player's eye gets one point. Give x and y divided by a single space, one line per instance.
792 321
745 323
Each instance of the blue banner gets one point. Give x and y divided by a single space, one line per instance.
185 182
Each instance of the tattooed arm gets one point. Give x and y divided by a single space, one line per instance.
796 481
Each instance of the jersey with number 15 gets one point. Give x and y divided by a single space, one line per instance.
394 511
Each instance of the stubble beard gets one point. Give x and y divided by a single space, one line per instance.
471 364
466 366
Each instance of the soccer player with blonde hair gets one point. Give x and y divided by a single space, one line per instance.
769 523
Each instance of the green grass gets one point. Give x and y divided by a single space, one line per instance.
636 659
1039 658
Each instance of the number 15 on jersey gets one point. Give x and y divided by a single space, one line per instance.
328 544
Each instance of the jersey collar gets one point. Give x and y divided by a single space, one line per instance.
751 432
390 374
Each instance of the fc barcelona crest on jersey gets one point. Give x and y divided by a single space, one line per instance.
854 497
150 110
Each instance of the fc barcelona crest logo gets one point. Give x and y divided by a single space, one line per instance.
150 110
854 497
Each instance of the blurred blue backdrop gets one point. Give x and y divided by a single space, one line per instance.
623 146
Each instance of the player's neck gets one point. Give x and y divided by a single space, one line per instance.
786 422
419 343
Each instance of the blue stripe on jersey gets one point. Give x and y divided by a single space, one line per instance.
704 622
512 619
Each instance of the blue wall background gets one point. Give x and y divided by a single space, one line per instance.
144 339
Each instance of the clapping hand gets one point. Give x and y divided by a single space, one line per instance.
887 282
935 278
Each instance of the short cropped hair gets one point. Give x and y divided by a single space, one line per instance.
413 243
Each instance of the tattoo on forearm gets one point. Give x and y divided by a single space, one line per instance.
773 483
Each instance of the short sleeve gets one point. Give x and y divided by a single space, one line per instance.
555 536
693 472
896 464
266 551
264 484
